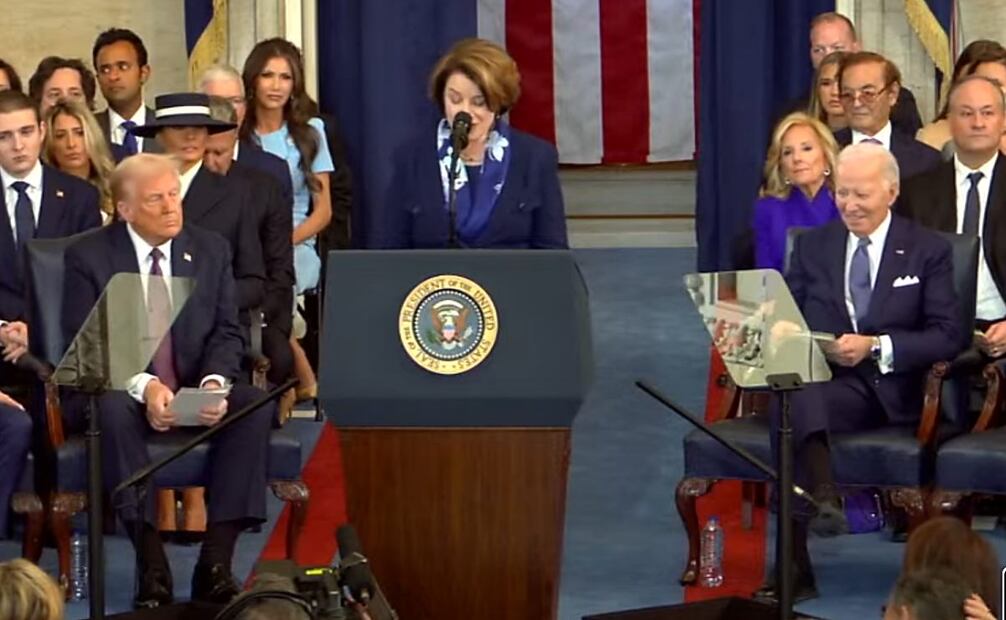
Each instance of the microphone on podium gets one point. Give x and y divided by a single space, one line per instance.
459 131
459 140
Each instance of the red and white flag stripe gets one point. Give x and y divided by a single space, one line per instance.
607 81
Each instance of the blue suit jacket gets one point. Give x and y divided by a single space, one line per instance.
921 319
913 156
253 156
206 337
69 206
528 214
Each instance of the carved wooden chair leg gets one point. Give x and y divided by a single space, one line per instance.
911 500
64 505
30 505
685 496
295 493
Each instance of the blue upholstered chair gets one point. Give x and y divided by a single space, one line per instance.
974 463
69 492
897 459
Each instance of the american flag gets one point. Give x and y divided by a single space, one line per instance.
606 81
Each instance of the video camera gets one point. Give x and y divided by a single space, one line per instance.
346 592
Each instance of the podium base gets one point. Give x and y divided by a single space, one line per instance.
460 522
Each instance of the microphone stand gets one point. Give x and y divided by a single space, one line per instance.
452 197
782 384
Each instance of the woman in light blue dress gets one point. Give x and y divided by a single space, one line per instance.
281 120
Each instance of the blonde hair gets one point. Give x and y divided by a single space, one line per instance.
98 153
482 62
27 593
136 169
815 109
775 184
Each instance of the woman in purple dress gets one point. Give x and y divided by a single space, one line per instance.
798 188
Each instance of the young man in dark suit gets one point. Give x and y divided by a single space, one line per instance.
967 195
884 286
210 201
120 61
203 349
272 214
38 201
868 87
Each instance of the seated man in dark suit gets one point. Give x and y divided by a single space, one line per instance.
38 201
868 87
15 423
968 195
203 349
884 286
834 32
211 201
273 218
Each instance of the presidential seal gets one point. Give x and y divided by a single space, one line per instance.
448 324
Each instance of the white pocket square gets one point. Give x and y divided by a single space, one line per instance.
906 281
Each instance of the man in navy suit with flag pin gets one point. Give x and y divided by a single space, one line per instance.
203 349
883 285
38 201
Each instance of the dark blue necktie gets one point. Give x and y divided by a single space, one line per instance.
859 280
129 140
972 208
24 216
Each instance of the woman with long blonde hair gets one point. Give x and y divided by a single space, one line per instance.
74 144
28 593
798 190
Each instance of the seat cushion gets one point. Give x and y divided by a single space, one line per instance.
888 456
706 458
973 462
284 460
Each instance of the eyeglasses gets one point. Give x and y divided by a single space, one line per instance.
867 95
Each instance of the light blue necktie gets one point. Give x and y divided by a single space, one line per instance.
859 280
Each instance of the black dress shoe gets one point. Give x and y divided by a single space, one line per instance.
155 589
213 583
830 520
804 588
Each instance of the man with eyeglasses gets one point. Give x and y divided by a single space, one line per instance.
120 60
868 88
834 32
967 195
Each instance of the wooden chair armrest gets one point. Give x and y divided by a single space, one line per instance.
992 406
926 433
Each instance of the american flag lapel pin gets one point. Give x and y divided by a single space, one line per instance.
187 257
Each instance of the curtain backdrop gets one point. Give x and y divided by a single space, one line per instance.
754 56
374 58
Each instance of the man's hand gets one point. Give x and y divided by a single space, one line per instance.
994 342
850 349
158 398
209 416
10 402
14 340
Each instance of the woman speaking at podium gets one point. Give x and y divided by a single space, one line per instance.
507 192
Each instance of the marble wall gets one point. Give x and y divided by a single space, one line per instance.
68 28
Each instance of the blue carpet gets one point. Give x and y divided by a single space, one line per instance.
624 545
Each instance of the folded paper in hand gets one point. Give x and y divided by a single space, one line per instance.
188 402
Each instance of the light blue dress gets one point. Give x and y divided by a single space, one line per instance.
306 262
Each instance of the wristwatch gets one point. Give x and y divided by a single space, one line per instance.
875 349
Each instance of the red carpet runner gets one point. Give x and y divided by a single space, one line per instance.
744 550
327 510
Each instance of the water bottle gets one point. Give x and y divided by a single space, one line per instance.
711 555
78 567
